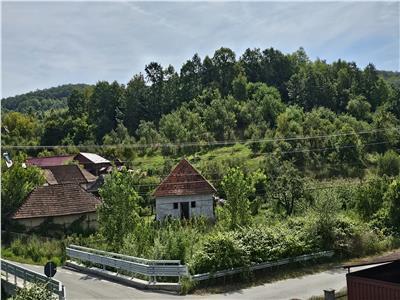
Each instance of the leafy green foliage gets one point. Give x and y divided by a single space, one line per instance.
16 183
237 190
220 251
389 164
118 213
392 199
34 250
41 100
35 291
305 120
286 188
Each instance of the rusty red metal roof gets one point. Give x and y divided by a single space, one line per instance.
56 200
50 160
184 180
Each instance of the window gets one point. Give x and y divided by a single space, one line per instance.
175 205
193 204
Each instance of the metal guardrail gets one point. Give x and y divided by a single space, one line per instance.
172 268
33 277
205 276
151 268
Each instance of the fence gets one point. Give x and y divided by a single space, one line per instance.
33 277
205 276
147 267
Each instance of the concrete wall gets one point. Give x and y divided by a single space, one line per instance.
89 222
204 206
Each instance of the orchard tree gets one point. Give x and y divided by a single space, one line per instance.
287 188
237 190
118 214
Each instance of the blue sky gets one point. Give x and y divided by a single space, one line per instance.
46 44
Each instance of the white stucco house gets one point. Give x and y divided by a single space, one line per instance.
184 193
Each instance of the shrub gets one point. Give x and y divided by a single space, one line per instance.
269 244
34 292
35 249
389 164
220 251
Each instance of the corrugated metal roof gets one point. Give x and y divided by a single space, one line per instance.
184 180
94 158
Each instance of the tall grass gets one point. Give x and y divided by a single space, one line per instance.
35 250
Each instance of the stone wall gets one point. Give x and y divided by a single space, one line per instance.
204 206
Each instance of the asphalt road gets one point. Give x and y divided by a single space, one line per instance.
83 286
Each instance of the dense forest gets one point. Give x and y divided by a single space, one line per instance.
41 100
277 134
265 97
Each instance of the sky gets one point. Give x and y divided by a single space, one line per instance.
46 44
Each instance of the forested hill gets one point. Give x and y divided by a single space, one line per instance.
391 77
261 94
41 100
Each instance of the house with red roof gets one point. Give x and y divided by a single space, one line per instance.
184 193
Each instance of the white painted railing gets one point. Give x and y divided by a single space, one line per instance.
12 272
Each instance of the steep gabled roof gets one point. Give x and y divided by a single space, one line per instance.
50 160
56 200
67 174
184 180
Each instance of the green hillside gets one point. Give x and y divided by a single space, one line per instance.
41 100
391 77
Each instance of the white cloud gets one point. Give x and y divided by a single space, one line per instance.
46 44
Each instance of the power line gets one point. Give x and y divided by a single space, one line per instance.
190 144
296 151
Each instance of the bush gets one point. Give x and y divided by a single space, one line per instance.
389 164
34 292
220 251
270 244
35 250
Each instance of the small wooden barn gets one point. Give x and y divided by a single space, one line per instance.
184 193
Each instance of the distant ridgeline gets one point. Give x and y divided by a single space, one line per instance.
41 100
